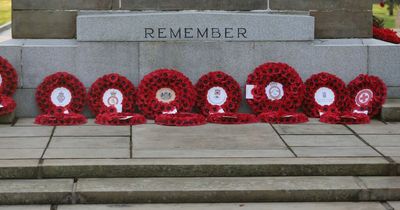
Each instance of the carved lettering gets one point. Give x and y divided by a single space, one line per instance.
196 33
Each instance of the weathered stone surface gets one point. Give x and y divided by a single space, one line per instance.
89 142
249 189
391 110
383 62
382 140
376 128
393 92
213 153
395 204
329 24
312 129
8 118
92 131
35 24
21 153
87 153
26 132
189 25
27 107
323 141
21 169
26 122
383 188
40 191
62 4
95 59
389 151
233 206
25 142
335 152
26 207
320 5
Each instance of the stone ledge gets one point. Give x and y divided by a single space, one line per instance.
391 110
194 26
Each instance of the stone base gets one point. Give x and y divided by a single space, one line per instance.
347 58
391 110
8 118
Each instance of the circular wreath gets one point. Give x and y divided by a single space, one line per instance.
345 118
276 86
61 80
60 116
324 92
231 118
283 117
218 91
116 83
110 116
180 119
8 78
367 93
165 91
7 105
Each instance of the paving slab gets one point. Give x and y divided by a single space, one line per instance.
218 167
89 142
382 140
26 132
233 206
383 188
21 153
35 191
335 152
204 153
93 131
312 129
389 151
87 153
23 143
395 204
323 140
21 169
391 128
217 189
210 136
26 207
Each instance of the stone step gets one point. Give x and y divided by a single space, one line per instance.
203 167
221 206
391 110
194 25
199 190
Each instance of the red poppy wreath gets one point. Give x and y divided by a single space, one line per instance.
282 117
8 85
324 93
274 86
219 97
167 95
112 99
367 94
61 97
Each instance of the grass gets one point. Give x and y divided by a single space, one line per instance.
5 11
384 14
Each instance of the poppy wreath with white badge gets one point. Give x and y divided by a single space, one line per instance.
8 78
165 91
61 97
112 90
180 119
324 92
275 86
367 94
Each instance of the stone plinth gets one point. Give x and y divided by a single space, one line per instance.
189 25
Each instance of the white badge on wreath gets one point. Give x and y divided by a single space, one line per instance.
113 97
61 96
274 91
216 96
324 96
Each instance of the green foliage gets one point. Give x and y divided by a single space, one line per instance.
382 13
5 11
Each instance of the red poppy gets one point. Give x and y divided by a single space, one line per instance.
283 117
8 78
7 105
180 119
232 118
386 34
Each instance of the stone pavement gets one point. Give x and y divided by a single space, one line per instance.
25 140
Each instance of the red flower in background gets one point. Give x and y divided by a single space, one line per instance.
7 105
282 117
57 116
276 86
386 34
232 118
8 78
164 91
